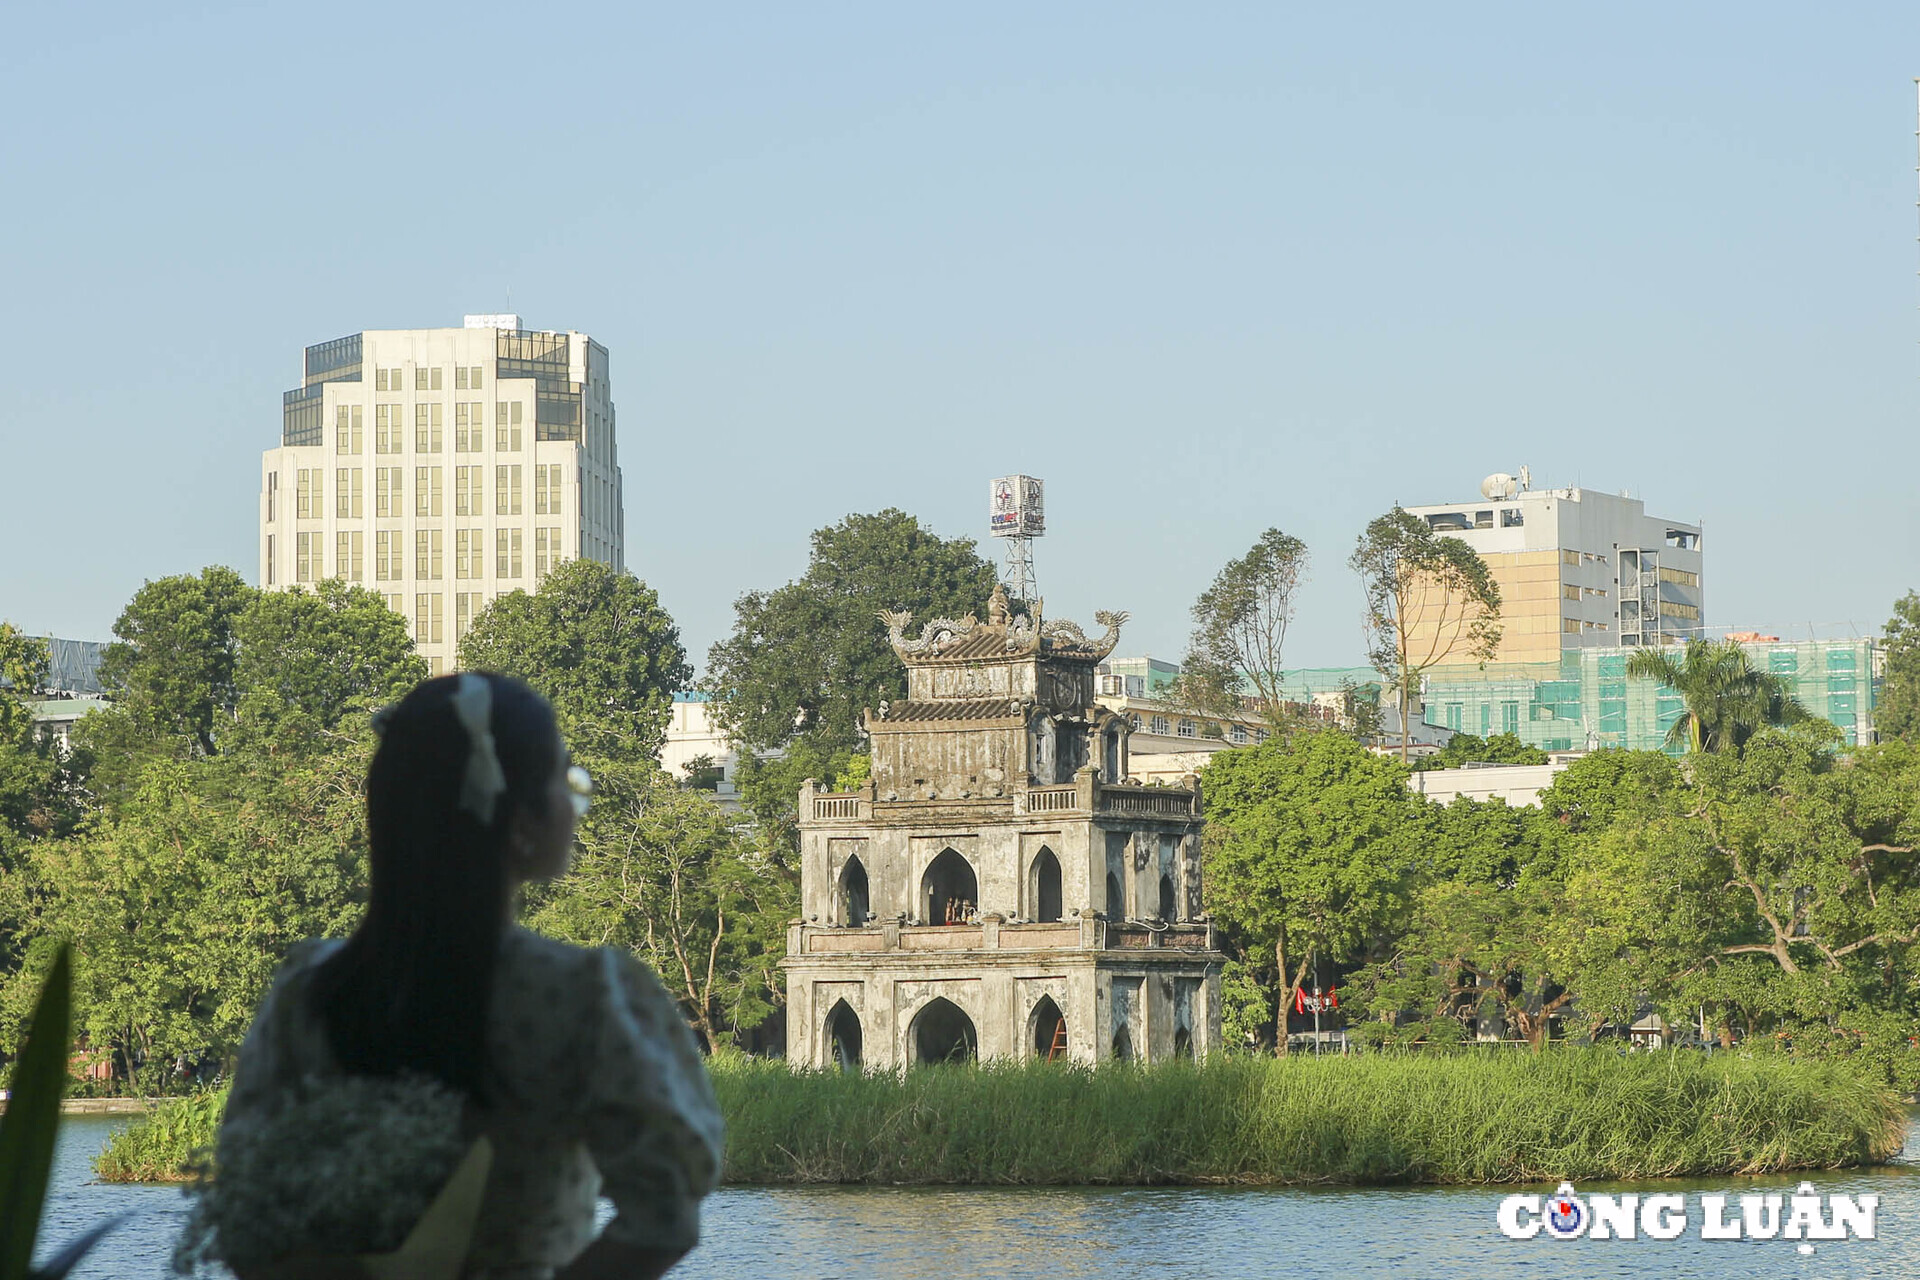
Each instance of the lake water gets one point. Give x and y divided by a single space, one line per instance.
947 1234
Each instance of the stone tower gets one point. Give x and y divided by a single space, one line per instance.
999 888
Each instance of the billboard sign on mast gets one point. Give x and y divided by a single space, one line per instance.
1017 508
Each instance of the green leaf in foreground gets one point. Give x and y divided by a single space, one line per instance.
32 1117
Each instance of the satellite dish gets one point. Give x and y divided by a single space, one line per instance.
1497 486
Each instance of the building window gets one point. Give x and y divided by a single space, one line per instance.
469 553
387 435
546 551
1570 626
1570 592
426 555
1259 736
1512 517
1679 577
346 493
386 491
271 575
427 618
387 380
426 380
466 607
427 421
306 557
1159 724
306 498
1188 729
426 491
1238 733
507 557
386 559
506 490
469 427
1510 717
348 550
346 428
468 499
466 377
397 603
1674 609
273 496
546 490
506 426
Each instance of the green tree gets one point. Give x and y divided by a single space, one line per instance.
1429 599
23 668
171 671
805 660
307 660
1774 890
1467 748
180 906
1898 715
597 643
1313 843
662 872
1241 622
1727 699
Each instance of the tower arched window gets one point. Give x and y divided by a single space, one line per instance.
1045 886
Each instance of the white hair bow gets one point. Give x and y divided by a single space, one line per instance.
484 780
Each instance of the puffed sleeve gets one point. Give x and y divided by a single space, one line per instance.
651 1122
274 1053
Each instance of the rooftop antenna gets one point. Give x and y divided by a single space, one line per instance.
1017 512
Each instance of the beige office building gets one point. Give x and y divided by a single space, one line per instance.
1577 569
443 468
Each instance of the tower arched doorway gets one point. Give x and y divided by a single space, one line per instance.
949 892
1122 1044
1049 1027
1044 886
853 893
942 1032
843 1037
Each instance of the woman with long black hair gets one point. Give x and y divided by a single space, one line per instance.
573 1062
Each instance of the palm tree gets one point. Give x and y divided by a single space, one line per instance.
1727 699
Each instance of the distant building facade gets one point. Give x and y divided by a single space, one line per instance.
693 738
1577 569
998 889
442 468
1585 700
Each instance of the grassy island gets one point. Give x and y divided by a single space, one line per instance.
1582 1114
1507 1117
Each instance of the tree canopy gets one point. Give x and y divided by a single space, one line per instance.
597 643
1898 715
171 669
1240 630
806 659
1311 846
1429 599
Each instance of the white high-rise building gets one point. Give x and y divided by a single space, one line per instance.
443 468
1577 569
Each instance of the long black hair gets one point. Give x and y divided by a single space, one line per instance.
409 991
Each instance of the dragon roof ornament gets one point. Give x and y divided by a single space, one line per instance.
1004 635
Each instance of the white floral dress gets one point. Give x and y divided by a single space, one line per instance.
605 1093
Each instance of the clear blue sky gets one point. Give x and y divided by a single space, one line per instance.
1206 270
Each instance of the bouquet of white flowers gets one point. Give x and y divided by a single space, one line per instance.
347 1167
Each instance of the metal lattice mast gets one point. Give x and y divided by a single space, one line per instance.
1017 515
1018 575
